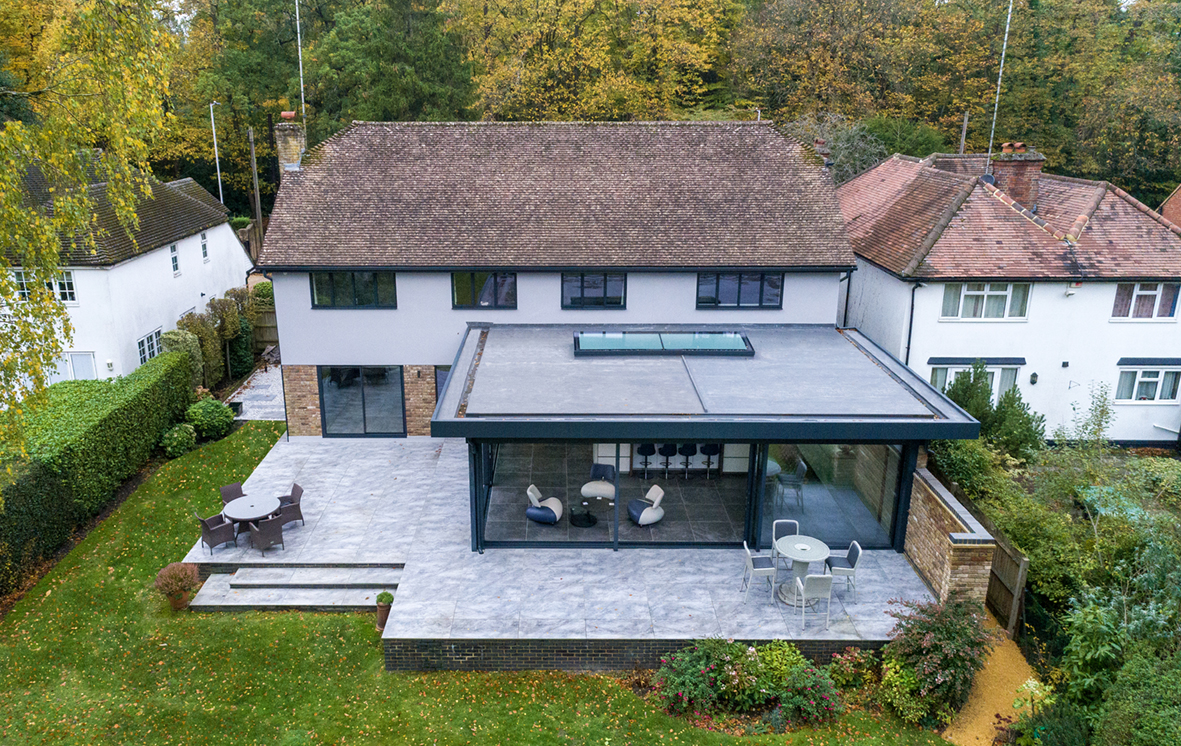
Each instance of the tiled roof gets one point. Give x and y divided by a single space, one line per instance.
548 195
1171 207
965 164
917 220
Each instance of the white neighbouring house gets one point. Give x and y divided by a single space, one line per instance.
1055 283
125 294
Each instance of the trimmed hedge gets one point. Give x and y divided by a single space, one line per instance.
87 439
242 349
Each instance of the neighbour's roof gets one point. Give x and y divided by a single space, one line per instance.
935 218
557 195
804 382
1171 207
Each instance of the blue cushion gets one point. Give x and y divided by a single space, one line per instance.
839 562
541 515
636 508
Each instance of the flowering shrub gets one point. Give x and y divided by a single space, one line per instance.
685 681
853 668
176 578
945 644
741 683
810 696
712 674
779 659
899 691
179 440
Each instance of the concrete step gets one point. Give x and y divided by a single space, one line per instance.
364 578
218 595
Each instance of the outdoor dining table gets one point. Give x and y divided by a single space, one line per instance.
802 551
250 508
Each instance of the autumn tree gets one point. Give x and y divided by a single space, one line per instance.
92 76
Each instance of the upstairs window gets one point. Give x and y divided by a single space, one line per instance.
1146 385
985 300
65 287
1145 300
492 290
582 290
354 290
175 260
149 346
204 248
22 284
740 290
62 287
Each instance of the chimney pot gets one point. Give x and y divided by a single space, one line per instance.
288 115
1007 147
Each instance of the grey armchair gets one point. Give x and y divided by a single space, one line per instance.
289 509
296 494
266 533
231 492
216 530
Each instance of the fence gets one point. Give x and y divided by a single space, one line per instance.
266 331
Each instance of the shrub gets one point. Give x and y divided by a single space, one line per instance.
899 691
945 644
739 681
242 350
685 681
779 659
1163 477
972 391
1015 428
238 222
179 440
1060 724
853 668
385 597
178 340
810 696
202 326
264 294
210 418
176 578
1143 706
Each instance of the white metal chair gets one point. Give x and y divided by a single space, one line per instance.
811 591
846 567
780 529
760 566
795 481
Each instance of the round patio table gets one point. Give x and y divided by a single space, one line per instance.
246 509
802 551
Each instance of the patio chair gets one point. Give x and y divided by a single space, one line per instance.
811 591
293 497
846 567
602 482
667 451
647 450
760 566
266 533
780 529
231 492
290 511
548 510
216 530
795 481
646 510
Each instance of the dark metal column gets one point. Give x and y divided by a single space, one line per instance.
616 526
906 467
473 497
756 483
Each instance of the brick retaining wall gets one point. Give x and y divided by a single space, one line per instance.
302 394
949 548
420 398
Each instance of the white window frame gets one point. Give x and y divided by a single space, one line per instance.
204 249
988 290
1138 291
1147 376
995 373
66 366
22 285
62 286
175 260
148 346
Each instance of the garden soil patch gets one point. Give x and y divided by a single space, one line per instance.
993 692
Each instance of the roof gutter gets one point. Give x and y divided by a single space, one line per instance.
811 269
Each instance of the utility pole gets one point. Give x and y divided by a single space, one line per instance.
964 132
216 160
255 247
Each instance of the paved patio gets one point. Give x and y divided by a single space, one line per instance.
262 395
405 501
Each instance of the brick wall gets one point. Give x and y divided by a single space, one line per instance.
566 655
947 545
420 398
302 394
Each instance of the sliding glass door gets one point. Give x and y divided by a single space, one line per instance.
361 401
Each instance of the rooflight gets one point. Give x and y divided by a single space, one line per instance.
662 343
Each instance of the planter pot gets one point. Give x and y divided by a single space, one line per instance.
383 615
236 407
180 602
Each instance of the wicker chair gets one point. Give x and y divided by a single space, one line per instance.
266 533
289 509
231 492
296 493
216 530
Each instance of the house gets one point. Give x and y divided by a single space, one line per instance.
1057 284
1170 209
130 289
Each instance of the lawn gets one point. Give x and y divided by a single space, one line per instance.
94 655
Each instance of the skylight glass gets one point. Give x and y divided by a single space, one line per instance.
662 343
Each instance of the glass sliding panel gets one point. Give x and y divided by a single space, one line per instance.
1018 301
322 288
365 289
341 401
83 364
384 409
387 290
616 288
773 290
1127 383
728 290
707 289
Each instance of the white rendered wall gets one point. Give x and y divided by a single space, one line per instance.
118 305
1076 329
425 330
879 307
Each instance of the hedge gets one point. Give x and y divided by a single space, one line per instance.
242 349
87 439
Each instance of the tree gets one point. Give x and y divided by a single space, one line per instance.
905 136
94 76
852 147
972 390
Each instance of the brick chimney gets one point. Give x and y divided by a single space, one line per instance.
1016 169
290 143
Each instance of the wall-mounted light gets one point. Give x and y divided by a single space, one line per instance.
110 365
1032 379
1069 292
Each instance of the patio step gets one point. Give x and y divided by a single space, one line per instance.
363 578
218 595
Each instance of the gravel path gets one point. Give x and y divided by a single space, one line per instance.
993 692
262 395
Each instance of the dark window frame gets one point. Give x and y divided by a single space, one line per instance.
353 283
582 291
324 416
475 304
738 277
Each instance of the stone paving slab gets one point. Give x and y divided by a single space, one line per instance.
316 577
217 595
261 395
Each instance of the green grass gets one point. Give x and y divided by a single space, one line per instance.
94 655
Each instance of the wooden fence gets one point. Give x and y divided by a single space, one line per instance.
1006 583
266 331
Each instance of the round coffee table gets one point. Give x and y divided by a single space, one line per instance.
247 509
802 551
585 515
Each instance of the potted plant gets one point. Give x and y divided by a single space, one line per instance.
176 582
384 599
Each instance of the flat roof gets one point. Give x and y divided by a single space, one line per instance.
803 383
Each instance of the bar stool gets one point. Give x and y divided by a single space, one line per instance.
667 451
647 450
709 450
687 451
